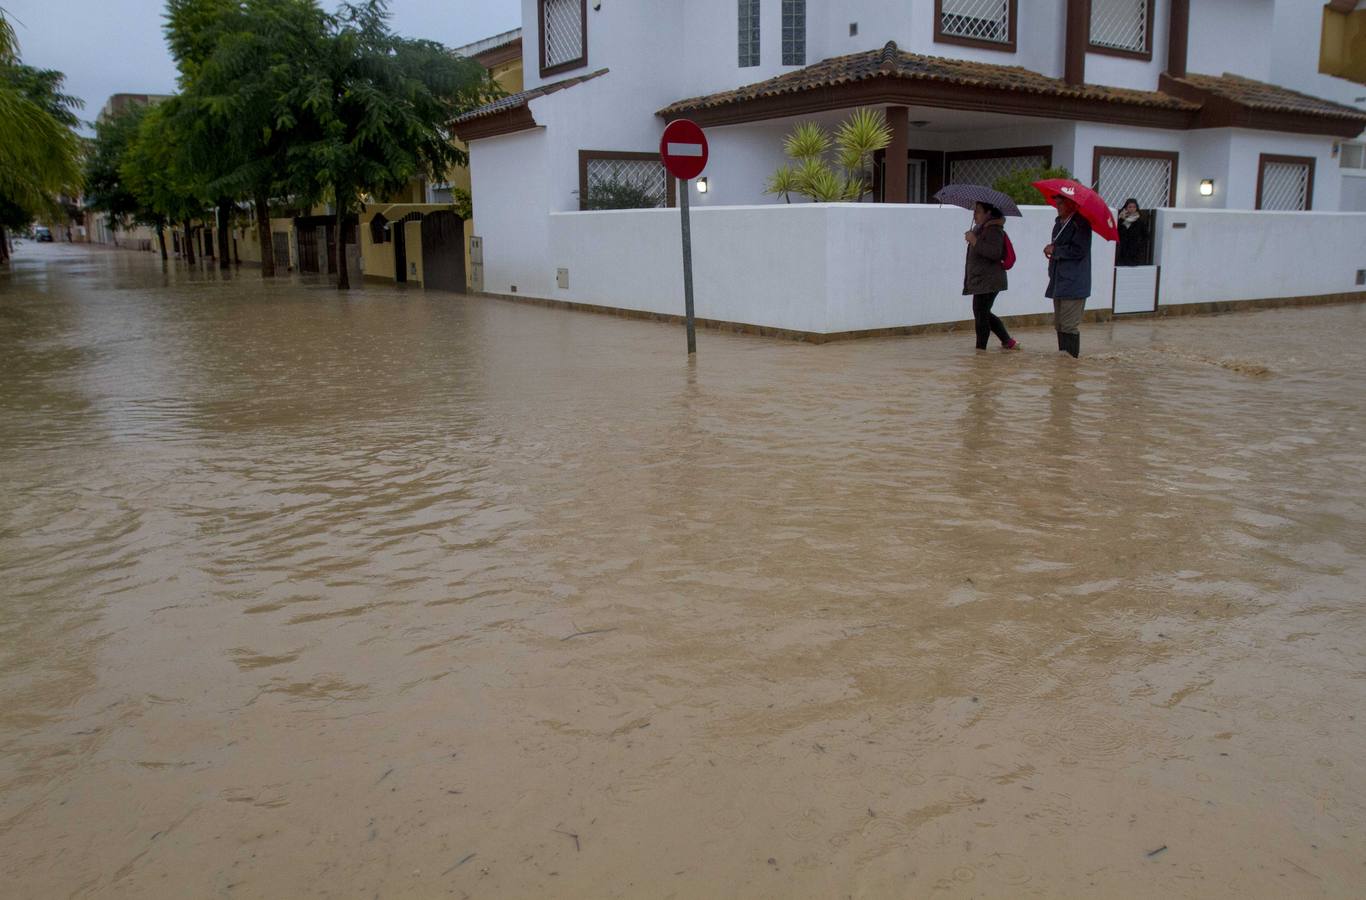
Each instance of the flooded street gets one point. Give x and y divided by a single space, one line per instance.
405 595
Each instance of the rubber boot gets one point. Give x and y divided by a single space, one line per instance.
1074 345
1062 342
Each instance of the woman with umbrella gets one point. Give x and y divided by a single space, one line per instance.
984 275
1080 209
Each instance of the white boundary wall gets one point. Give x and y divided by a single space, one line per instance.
833 268
826 268
1240 255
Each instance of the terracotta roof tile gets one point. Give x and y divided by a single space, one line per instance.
1270 97
516 101
893 62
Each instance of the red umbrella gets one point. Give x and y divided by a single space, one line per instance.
1089 204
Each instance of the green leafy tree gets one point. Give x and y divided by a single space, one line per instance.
1019 185
40 152
240 62
159 173
106 190
376 110
195 30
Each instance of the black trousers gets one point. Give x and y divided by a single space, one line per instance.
986 321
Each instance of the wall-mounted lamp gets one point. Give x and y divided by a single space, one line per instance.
1207 187
702 185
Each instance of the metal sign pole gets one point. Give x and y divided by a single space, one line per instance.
687 264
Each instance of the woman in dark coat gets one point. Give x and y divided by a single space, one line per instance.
1069 273
984 277
1133 236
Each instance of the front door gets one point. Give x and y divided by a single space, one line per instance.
443 252
924 176
400 239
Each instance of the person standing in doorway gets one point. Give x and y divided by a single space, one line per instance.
984 275
1133 236
1069 273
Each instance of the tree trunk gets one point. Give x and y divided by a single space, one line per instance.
343 276
224 261
4 246
264 236
189 243
161 239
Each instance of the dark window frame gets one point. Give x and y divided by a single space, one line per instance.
748 40
941 37
568 65
1145 55
1309 161
586 155
798 10
1173 156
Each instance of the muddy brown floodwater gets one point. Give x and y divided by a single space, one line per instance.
406 595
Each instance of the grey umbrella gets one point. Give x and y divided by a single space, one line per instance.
966 195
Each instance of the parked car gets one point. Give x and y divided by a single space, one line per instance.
42 234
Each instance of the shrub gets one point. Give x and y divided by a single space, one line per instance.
1019 185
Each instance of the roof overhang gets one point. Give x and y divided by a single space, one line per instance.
510 121
496 56
509 115
1223 112
901 91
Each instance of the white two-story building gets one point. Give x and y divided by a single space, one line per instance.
1203 104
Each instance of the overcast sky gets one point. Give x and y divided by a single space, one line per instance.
116 46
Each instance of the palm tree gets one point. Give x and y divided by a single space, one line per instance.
40 153
862 135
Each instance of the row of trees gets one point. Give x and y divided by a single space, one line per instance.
40 152
282 102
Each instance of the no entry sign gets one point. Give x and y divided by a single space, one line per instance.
683 149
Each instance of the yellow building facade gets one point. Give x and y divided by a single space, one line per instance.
385 255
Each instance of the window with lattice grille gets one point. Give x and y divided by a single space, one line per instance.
1121 25
988 22
749 33
612 180
1148 177
794 32
988 170
564 32
1285 183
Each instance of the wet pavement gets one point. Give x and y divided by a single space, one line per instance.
406 595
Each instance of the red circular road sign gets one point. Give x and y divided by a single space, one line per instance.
683 149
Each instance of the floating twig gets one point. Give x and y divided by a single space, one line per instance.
1152 853
577 847
588 632
459 864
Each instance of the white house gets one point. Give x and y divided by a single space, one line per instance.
1144 98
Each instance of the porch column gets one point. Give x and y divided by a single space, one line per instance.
1178 38
894 187
1078 36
